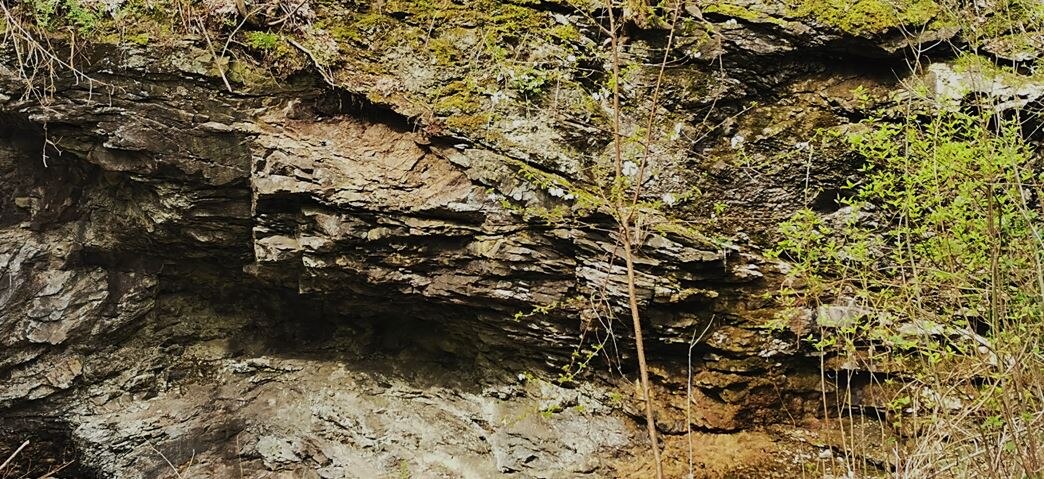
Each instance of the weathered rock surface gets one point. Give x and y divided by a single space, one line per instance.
297 279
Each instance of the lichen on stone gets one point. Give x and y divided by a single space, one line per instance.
743 13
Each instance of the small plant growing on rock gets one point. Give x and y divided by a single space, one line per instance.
263 41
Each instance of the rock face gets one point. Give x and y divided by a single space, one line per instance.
338 275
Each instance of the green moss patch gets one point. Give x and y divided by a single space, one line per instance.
867 17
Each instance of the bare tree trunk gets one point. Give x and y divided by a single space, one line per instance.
643 369
624 218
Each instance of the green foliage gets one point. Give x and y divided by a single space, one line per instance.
71 12
134 21
43 11
263 41
719 208
550 411
578 363
940 240
530 81
544 310
84 18
948 192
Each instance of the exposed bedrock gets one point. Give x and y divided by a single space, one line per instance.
302 280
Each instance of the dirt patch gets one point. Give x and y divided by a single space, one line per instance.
738 455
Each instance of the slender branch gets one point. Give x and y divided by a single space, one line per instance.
13 454
617 147
214 54
176 472
688 393
624 219
327 77
650 138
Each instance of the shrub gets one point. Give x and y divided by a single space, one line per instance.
937 257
